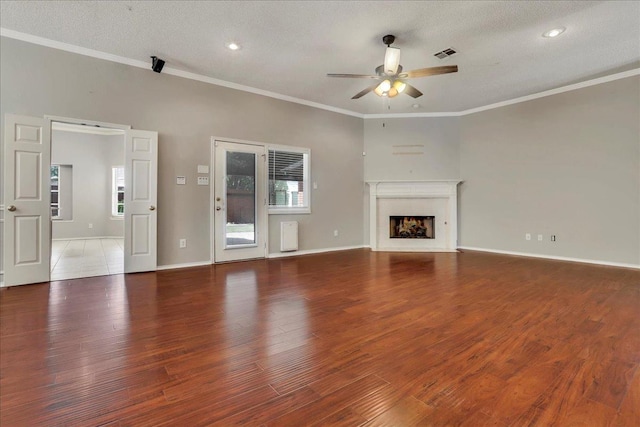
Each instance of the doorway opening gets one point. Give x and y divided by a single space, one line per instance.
87 200
31 200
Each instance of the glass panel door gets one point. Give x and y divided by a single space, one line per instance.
240 202
241 199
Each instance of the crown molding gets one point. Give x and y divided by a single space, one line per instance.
411 115
556 91
5 32
587 83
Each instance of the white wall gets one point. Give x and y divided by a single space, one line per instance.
91 158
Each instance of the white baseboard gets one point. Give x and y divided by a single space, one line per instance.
313 251
556 258
185 265
273 255
414 250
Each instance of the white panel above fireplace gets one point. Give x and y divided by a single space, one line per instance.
419 198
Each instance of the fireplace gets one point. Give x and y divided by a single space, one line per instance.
411 227
431 203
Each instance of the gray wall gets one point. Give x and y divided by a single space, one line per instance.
439 137
91 158
567 164
37 81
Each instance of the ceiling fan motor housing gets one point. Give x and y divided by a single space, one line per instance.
388 39
380 70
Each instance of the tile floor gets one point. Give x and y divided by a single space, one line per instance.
71 259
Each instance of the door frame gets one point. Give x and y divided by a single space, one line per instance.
212 196
50 119
47 123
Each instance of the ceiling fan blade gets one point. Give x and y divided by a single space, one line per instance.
364 92
354 76
412 91
432 71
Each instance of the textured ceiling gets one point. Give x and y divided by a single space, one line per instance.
288 47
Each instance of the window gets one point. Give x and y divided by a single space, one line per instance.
289 180
55 191
117 191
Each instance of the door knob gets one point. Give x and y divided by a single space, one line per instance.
152 208
218 208
11 208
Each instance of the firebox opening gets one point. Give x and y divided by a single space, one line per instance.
412 227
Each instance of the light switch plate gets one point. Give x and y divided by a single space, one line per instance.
203 180
203 169
181 180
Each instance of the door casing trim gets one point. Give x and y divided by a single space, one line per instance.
212 225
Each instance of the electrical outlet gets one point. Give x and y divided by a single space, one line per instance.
183 243
335 233
90 225
539 237
553 237
527 236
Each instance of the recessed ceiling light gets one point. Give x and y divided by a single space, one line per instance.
554 33
233 46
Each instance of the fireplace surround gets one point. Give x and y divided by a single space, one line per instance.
424 199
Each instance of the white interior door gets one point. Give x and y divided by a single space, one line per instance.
27 224
240 215
141 200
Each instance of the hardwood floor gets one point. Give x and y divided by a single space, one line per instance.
346 338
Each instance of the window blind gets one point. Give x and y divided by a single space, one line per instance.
286 166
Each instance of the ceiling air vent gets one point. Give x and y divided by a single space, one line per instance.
445 53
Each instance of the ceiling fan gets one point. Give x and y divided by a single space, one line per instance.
392 76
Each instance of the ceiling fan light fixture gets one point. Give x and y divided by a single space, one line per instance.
383 88
391 60
392 92
399 86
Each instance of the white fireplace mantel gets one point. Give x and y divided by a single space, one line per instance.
444 193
